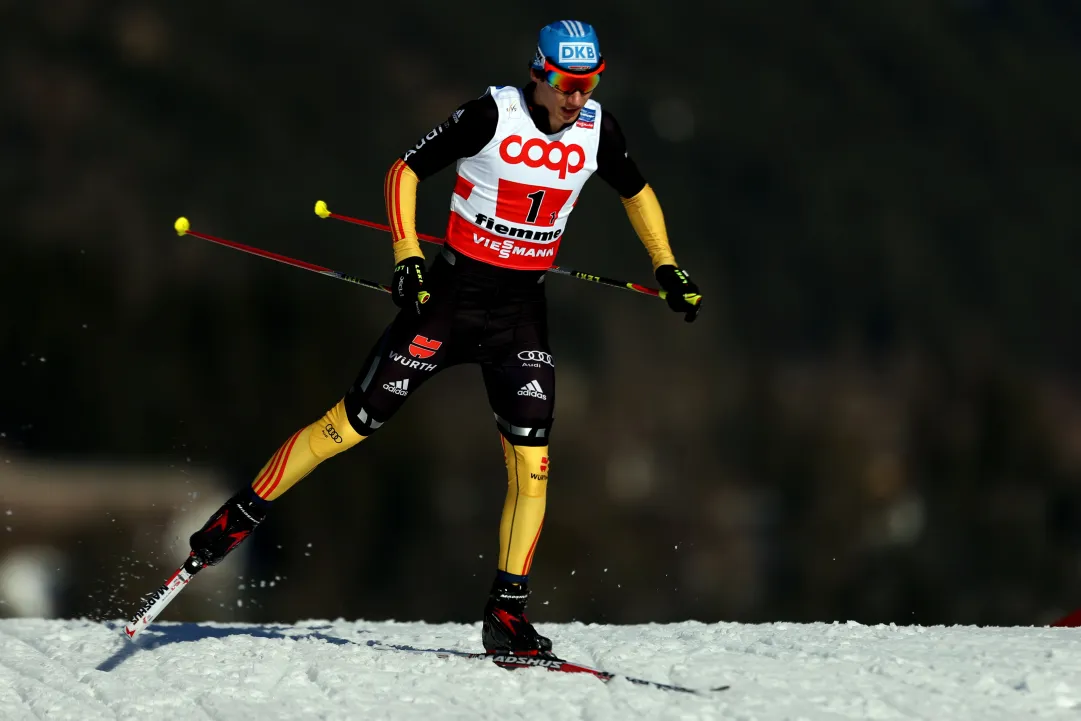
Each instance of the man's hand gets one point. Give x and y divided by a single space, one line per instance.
680 291
408 286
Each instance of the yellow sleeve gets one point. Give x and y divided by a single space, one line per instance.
400 191
644 210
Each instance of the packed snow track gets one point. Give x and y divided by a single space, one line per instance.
86 670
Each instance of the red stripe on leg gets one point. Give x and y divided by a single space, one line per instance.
264 488
268 473
529 556
284 463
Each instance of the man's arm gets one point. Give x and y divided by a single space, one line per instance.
463 134
616 168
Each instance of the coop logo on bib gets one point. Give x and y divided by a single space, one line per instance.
536 152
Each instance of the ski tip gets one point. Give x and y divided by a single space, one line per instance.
130 630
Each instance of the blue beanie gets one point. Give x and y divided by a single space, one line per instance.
568 44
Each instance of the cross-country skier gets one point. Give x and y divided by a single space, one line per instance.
522 156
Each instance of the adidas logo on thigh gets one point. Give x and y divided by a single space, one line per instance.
533 389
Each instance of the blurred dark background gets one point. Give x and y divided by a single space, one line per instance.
877 416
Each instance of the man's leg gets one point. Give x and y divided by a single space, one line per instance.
521 390
523 508
409 352
295 459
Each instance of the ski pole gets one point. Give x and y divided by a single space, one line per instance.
183 227
323 211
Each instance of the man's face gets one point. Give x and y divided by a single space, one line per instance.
562 107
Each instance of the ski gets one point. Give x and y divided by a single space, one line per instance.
154 603
516 661
512 661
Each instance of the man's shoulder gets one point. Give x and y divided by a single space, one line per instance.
484 106
507 99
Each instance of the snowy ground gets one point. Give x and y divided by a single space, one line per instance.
328 670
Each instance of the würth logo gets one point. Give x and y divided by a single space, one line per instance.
422 347
544 464
401 359
533 390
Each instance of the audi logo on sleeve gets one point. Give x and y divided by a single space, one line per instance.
536 356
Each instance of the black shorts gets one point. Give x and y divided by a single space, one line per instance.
478 313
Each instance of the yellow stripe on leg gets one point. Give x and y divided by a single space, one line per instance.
523 509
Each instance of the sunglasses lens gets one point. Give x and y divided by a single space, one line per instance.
570 83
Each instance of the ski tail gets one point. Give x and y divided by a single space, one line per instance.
154 603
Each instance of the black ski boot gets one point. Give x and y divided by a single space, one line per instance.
506 629
229 525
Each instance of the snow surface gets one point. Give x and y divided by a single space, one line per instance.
328 670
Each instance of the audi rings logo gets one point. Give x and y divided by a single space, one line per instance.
537 356
331 433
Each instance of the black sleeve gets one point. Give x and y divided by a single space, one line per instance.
613 163
463 134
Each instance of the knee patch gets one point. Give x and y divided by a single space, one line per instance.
534 435
332 434
527 468
356 415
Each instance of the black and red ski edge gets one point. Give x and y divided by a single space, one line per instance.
513 661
